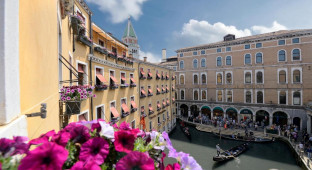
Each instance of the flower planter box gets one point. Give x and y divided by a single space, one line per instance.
85 40
73 107
142 96
143 115
113 87
150 95
100 87
157 78
112 55
149 78
142 77
150 112
125 114
124 85
132 85
75 24
100 50
133 110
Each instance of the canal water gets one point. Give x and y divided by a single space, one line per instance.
270 156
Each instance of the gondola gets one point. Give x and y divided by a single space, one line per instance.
254 139
231 153
185 130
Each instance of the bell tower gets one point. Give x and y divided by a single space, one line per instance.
130 38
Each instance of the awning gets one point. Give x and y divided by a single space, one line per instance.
142 72
114 79
150 91
173 99
158 105
167 76
101 77
167 88
114 112
168 102
246 111
163 89
150 74
173 77
142 109
123 77
158 74
80 68
143 92
125 108
133 105
150 108
172 87
158 90
132 79
164 103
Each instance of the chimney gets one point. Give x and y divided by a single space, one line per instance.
164 55
145 58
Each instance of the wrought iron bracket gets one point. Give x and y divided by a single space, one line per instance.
42 113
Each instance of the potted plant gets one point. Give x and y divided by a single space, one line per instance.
73 95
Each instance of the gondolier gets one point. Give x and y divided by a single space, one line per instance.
218 149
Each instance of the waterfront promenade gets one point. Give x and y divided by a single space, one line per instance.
301 156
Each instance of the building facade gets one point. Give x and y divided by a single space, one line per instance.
264 77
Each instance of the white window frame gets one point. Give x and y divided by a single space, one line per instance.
85 75
201 52
292 57
110 105
256 71
180 78
220 50
103 114
125 76
217 78
259 43
194 54
125 98
217 95
245 91
197 78
201 63
198 97
278 97
226 77
256 94
285 56
181 95
193 63
102 71
201 77
231 60
245 59
201 96
217 61
227 50
280 40
295 38
83 112
226 95
246 71
278 71
292 75
261 59
182 61
150 125
292 96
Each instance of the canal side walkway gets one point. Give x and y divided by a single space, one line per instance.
301 156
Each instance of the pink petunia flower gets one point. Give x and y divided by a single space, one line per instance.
6 147
95 149
135 160
175 166
124 141
48 156
61 138
88 165
43 138
125 126
20 145
78 133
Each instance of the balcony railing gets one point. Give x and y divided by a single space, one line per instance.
101 50
112 55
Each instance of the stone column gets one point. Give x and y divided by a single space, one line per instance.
309 124
289 121
254 118
189 112
270 120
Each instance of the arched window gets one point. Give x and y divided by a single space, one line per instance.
195 63
228 78
247 59
259 97
195 95
219 61
228 60
248 97
259 77
182 95
195 79
204 95
203 62
282 97
297 98
296 76
282 55
219 78
282 76
229 97
203 77
296 54
181 79
181 64
259 58
247 77
219 96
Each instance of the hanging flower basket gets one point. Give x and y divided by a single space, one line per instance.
72 107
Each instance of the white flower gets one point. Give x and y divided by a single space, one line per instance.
158 141
106 130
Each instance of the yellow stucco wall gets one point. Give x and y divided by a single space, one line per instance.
39 63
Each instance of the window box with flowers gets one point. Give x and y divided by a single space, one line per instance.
113 86
132 85
149 76
143 114
100 87
112 55
129 61
85 40
159 124
77 24
121 58
162 77
158 108
172 77
124 85
150 112
72 96
142 95
142 77
101 50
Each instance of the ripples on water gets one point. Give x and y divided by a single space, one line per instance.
270 156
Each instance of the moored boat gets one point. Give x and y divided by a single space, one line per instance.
254 139
231 153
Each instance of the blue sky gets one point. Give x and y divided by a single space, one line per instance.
174 24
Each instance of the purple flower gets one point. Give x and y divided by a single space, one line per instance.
79 90
20 145
189 163
49 156
78 133
73 91
61 138
171 149
94 96
6 147
95 149
43 138
125 126
135 160
88 165
106 130
68 91
124 141
68 98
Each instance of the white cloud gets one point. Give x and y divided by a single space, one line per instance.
120 10
152 58
262 29
202 32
